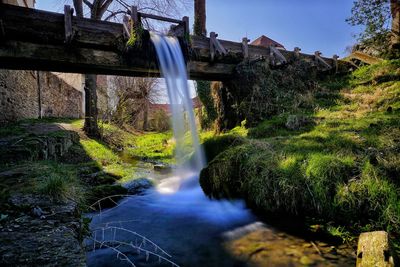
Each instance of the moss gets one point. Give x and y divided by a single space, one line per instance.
214 146
324 172
373 72
342 169
101 192
14 129
135 40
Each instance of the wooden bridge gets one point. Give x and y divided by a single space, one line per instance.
41 40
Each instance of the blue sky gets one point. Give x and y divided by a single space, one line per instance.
309 24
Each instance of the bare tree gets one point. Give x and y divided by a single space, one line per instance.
135 95
113 9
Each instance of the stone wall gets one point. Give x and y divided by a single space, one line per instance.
19 96
59 99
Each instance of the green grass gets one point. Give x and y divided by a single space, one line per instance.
11 130
343 168
54 186
108 159
153 146
54 179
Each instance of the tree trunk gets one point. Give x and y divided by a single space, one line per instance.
395 10
200 17
145 117
91 128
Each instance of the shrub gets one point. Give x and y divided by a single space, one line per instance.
54 186
160 121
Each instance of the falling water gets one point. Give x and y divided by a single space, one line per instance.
173 69
177 215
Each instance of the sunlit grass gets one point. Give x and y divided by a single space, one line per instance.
342 168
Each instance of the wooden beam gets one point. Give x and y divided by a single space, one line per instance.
134 16
320 60
35 39
68 24
245 47
186 27
151 16
29 56
277 56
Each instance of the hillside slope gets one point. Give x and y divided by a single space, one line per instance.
338 161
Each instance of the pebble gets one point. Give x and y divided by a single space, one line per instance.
322 244
306 261
332 250
330 256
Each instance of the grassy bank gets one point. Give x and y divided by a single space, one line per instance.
338 161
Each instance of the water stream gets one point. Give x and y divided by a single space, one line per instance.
176 215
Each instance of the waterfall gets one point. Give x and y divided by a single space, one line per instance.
173 69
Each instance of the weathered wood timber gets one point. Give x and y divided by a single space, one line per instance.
41 40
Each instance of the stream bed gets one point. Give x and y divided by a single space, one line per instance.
197 231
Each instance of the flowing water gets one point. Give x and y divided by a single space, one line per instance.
176 215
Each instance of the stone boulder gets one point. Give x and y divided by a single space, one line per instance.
138 186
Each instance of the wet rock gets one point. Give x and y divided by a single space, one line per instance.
13 173
330 256
293 252
332 250
162 168
38 147
27 240
38 212
306 261
322 244
138 186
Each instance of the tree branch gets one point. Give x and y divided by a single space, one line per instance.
90 5
114 14
79 8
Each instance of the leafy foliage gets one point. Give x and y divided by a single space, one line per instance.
208 114
373 14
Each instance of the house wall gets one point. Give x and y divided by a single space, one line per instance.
24 3
19 96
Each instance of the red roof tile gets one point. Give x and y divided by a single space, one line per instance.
266 42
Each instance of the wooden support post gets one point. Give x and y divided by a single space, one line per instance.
297 52
185 21
212 47
68 11
2 32
126 27
134 16
319 59
335 62
277 56
215 46
245 47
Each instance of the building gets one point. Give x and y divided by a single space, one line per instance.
264 41
24 3
35 94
